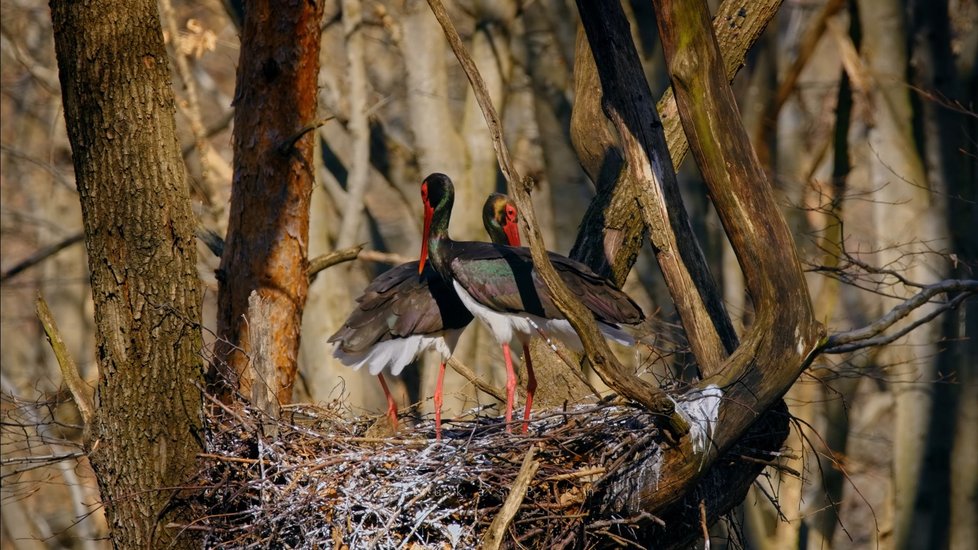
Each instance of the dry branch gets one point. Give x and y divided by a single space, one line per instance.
790 79
863 337
358 124
472 377
69 370
330 259
266 386
497 529
207 182
384 257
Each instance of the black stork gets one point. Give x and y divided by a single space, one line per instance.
499 285
402 313
407 310
501 222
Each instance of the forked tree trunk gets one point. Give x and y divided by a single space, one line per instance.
268 230
119 113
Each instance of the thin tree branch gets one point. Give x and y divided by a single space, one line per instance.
863 337
219 126
286 147
41 255
805 50
497 530
600 356
324 261
210 238
472 377
383 257
330 259
69 370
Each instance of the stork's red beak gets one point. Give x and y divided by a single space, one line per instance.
428 213
512 230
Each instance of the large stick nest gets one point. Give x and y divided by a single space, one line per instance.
322 483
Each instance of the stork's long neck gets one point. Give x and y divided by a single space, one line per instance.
439 243
439 250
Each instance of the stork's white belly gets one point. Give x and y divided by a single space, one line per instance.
506 327
397 353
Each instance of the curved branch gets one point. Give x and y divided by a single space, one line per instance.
651 179
784 336
472 377
863 337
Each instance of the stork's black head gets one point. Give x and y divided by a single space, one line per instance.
499 216
438 196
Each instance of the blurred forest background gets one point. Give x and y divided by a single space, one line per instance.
863 111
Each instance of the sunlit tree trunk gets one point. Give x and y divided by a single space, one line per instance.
119 111
268 228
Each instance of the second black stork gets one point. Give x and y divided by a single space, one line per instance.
500 287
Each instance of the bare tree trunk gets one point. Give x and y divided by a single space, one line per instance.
964 465
119 111
359 175
951 470
268 229
438 142
910 226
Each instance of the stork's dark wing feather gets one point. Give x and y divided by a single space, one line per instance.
503 278
400 303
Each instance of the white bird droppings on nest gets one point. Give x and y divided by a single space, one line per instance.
701 409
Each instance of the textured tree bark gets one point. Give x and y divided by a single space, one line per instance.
651 180
268 228
119 112
610 234
784 335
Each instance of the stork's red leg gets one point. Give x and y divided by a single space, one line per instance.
531 387
510 386
438 400
391 404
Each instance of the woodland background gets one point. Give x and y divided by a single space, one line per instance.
883 447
